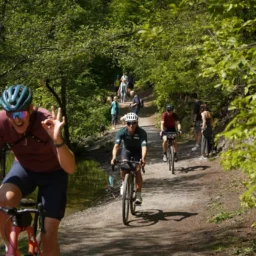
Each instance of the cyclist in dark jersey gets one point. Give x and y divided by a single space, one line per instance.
168 124
134 145
42 159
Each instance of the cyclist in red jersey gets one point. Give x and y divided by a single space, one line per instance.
169 122
42 159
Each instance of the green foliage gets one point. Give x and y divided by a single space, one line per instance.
228 56
55 42
241 154
222 216
178 47
245 251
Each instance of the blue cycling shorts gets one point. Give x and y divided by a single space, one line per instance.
52 187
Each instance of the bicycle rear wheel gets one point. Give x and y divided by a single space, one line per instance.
126 198
133 194
171 159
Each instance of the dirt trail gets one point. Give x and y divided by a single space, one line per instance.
173 219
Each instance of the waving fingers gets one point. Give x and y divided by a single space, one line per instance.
53 112
58 113
58 117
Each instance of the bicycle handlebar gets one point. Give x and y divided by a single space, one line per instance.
128 161
14 212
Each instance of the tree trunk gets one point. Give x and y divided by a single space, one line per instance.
64 109
62 104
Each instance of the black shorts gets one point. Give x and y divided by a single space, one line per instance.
170 130
128 155
52 187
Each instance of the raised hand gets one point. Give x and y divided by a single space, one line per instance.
54 125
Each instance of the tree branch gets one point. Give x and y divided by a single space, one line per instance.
47 83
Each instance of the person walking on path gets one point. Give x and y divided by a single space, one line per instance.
197 121
114 112
135 104
124 77
207 133
123 90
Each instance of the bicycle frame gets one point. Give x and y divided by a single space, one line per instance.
33 246
129 190
22 221
171 136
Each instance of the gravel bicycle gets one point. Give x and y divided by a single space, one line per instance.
171 136
22 220
129 188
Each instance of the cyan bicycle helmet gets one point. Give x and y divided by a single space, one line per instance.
16 97
131 117
169 108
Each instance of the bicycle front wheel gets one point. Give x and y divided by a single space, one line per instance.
171 159
34 245
133 194
126 198
39 242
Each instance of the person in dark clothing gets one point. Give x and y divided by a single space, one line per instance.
130 82
134 141
136 104
207 133
197 120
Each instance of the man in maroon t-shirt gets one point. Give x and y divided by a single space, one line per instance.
169 122
42 159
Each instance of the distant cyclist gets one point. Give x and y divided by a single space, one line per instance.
134 145
42 159
169 122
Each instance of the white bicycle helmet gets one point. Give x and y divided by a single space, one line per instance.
131 117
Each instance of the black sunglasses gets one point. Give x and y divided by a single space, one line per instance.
131 123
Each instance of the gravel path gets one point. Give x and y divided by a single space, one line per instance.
174 218
167 223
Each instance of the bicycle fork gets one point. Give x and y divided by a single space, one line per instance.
12 248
